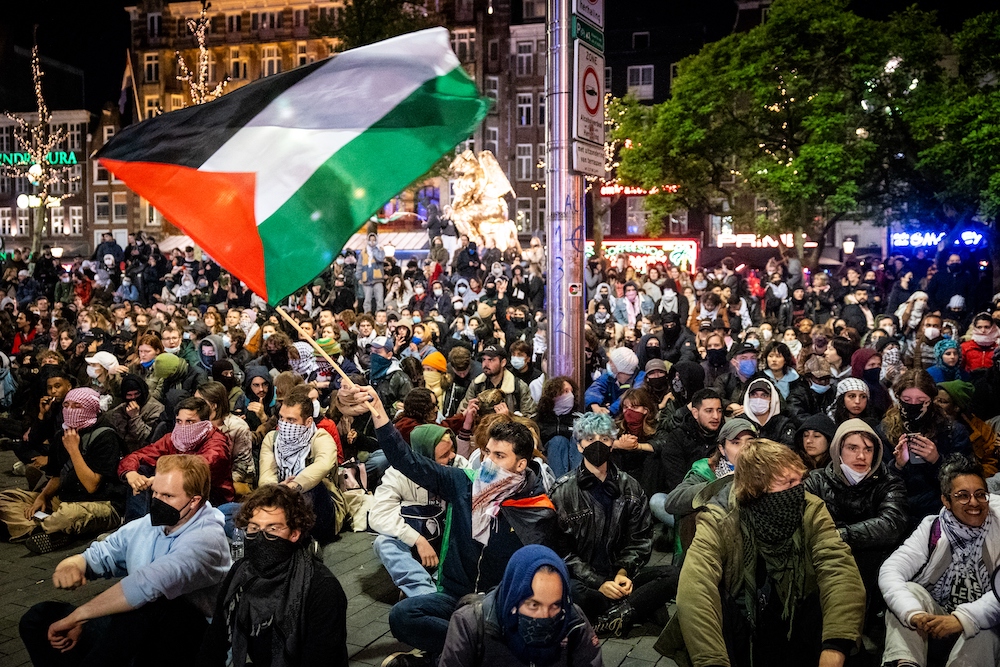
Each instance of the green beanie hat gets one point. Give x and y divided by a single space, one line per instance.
425 438
165 365
960 392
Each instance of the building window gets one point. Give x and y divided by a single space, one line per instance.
494 50
607 79
5 185
152 67
635 216
524 105
239 66
525 58
301 54
176 102
213 67
266 20
540 164
75 220
100 173
152 105
534 9
541 212
6 139
108 132
524 167
492 139
679 223
23 221
149 214
300 18
102 207
120 200
640 41
182 29
463 43
541 109
154 23
76 178
675 71
524 212
74 138
640 81
21 184
56 215
234 23
270 61
493 87
5 221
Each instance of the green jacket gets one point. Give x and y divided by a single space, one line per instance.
694 634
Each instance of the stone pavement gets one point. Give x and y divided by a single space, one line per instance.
26 579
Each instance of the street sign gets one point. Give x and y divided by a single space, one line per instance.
588 33
592 10
588 159
589 104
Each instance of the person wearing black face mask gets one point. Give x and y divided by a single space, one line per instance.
604 514
281 588
161 605
678 341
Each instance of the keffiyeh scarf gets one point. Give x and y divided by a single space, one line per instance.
492 486
966 578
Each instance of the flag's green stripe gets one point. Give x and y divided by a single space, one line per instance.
302 237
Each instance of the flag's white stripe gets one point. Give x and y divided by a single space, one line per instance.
312 120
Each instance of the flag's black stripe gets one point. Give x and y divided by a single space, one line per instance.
188 137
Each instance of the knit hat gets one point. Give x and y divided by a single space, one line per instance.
733 427
436 361
957 302
960 392
624 360
165 365
852 384
943 346
818 422
132 383
330 346
425 438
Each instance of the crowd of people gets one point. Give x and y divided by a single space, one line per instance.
812 453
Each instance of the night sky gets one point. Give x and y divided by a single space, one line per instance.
93 35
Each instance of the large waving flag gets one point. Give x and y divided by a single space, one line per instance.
273 178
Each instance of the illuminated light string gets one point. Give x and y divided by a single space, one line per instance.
198 87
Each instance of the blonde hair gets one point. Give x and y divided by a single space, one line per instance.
194 470
761 461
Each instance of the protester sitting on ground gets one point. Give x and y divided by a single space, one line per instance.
769 581
280 599
171 563
236 431
543 626
83 495
495 375
135 417
410 520
938 584
606 391
555 424
694 439
812 441
762 405
608 536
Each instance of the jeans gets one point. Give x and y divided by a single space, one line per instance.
562 455
658 508
137 506
422 622
375 466
406 571
378 290
161 633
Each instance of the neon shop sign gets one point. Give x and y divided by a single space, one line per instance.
968 238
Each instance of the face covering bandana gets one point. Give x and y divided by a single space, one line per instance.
597 453
724 468
162 514
779 514
539 632
490 488
912 412
984 340
677 385
82 417
147 364
652 352
292 447
634 420
852 475
564 404
716 357
760 406
187 437
266 554
871 375
379 366
819 388
657 384
747 367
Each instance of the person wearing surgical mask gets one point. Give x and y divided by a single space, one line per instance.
521 365
762 406
920 352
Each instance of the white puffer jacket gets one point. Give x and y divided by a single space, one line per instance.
912 562
395 491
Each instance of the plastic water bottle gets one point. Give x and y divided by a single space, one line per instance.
236 546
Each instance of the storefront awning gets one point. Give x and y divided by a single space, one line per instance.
398 240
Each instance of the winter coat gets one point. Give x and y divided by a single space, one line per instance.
676 453
516 394
320 462
620 312
135 431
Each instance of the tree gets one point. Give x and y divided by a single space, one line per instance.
795 125
364 22
197 83
39 139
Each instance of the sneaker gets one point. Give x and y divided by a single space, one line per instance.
414 658
616 622
18 469
46 543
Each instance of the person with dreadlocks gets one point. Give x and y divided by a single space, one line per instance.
770 581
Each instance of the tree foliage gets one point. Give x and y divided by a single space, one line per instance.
364 22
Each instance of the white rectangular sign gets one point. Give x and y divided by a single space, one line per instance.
588 159
589 96
592 10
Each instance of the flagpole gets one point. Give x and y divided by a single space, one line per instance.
322 352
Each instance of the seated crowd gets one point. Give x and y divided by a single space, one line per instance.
759 467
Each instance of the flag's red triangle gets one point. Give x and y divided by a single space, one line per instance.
215 209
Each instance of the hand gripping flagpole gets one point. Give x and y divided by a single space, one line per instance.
309 339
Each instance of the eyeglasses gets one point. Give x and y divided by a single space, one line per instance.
964 497
269 533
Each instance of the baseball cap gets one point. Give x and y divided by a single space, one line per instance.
382 342
733 427
105 359
818 367
494 351
742 348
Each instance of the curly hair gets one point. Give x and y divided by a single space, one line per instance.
551 390
414 370
298 514
419 404
957 465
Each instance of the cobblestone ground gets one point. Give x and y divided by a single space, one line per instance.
26 579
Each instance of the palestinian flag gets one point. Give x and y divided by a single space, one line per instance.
272 179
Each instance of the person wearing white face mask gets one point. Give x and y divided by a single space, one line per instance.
103 370
556 409
762 406
978 351
920 353
867 503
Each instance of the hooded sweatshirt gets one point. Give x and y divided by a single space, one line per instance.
824 425
778 427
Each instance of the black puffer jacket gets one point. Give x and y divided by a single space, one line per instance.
871 515
674 455
582 525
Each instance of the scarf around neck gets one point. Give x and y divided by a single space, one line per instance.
967 577
491 487
292 447
188 437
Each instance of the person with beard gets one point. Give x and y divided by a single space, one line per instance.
544 627
730 385
762 405
921 437
170 563
768 581
44 423
678 341
608 536
695 436
866 365
858 315
978 351
281 586
83 495
135 417
495 375
494 512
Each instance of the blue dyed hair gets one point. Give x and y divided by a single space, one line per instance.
592 424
